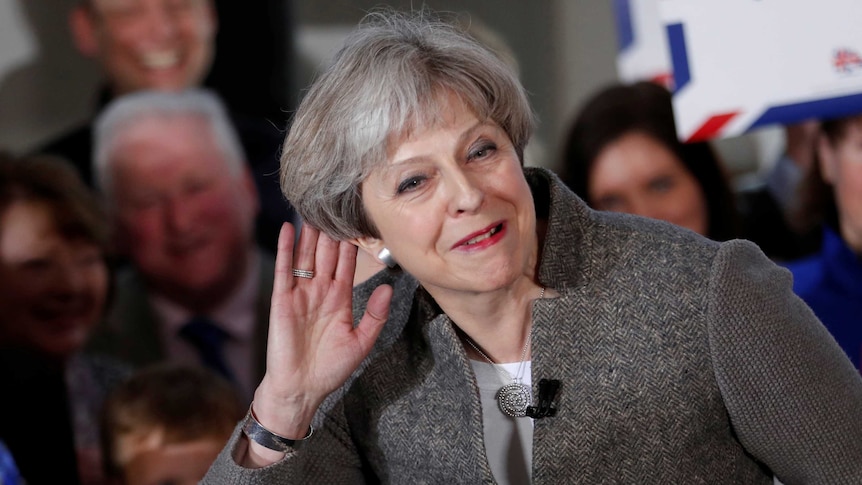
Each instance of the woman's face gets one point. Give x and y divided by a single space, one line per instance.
842 168
453 206
638 175
52 290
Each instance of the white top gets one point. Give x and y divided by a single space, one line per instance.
508 440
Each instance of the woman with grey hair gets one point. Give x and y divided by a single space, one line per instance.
525 338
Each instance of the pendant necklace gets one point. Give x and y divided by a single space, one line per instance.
512 398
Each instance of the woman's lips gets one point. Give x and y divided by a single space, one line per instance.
484 238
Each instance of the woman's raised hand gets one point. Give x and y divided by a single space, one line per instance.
312 346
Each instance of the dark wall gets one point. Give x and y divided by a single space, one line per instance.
254 57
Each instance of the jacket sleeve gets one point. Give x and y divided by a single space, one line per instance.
328 457
794 398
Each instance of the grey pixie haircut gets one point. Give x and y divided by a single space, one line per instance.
132 109
389 79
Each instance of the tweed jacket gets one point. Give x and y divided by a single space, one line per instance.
682 360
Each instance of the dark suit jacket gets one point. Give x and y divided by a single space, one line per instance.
37 408
131 330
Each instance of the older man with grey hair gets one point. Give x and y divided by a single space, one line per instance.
182 202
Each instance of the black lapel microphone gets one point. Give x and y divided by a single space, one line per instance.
547 392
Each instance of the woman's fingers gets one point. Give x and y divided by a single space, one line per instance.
326 256
346 262
284 259
376 314
313 345
305 252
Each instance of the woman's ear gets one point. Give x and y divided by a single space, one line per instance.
367 265
827 158
376 249
370 245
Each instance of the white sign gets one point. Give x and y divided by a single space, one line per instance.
643 51
742 64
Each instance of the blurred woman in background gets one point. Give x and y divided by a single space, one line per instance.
622 154
54 282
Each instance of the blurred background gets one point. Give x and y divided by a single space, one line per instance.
268 51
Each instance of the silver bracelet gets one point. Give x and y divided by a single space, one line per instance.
255 431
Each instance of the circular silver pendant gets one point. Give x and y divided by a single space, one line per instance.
514 399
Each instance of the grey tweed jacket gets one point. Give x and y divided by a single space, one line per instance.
682 360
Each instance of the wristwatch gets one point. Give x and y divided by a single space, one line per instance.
266 438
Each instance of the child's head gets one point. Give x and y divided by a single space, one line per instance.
167 424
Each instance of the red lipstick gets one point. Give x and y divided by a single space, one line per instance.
483 238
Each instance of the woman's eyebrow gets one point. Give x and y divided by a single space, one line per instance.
463 138
470 132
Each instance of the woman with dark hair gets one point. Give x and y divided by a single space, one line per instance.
622 154
830 281
54 282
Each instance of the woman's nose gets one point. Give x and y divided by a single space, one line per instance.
467 194
640 206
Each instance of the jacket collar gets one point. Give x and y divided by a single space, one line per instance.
564 258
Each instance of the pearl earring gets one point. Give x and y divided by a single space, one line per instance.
386 258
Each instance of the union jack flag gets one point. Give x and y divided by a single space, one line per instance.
845 60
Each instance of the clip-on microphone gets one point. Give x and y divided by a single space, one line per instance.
547 392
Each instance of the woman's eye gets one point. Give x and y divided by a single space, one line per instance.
482 151
663 184
410 184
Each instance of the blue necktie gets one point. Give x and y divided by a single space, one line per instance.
209 341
